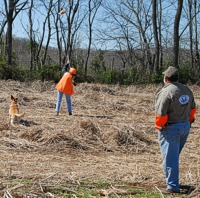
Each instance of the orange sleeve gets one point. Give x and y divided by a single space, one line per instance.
192 113
161 121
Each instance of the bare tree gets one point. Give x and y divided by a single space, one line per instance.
12 9
3 23
48 37
67 28
93 6
39 49
130 22
32 43
160 34
2 29
71 27
58 24
156 38
191 31
197 56
176 33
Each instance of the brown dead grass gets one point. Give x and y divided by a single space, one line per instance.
110 137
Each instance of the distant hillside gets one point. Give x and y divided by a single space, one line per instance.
21 48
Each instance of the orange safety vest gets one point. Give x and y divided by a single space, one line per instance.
65 84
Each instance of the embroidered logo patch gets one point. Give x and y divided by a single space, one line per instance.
184 99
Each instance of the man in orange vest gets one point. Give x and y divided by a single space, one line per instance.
65 86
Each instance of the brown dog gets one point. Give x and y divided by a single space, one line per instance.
14 111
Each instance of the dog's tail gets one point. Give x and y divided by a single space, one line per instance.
20 115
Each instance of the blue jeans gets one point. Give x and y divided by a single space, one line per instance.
172 140
59 100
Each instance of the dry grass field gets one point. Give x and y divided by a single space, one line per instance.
108 147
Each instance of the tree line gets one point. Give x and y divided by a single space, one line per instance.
147 36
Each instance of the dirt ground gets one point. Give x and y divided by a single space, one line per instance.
110 137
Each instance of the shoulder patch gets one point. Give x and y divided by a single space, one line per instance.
184 99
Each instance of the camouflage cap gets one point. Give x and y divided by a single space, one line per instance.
171 71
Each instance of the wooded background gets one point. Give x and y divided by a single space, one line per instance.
108 41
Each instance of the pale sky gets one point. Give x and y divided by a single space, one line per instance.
21 24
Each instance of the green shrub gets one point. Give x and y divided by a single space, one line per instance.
50 72
156 78
185 74
3 69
